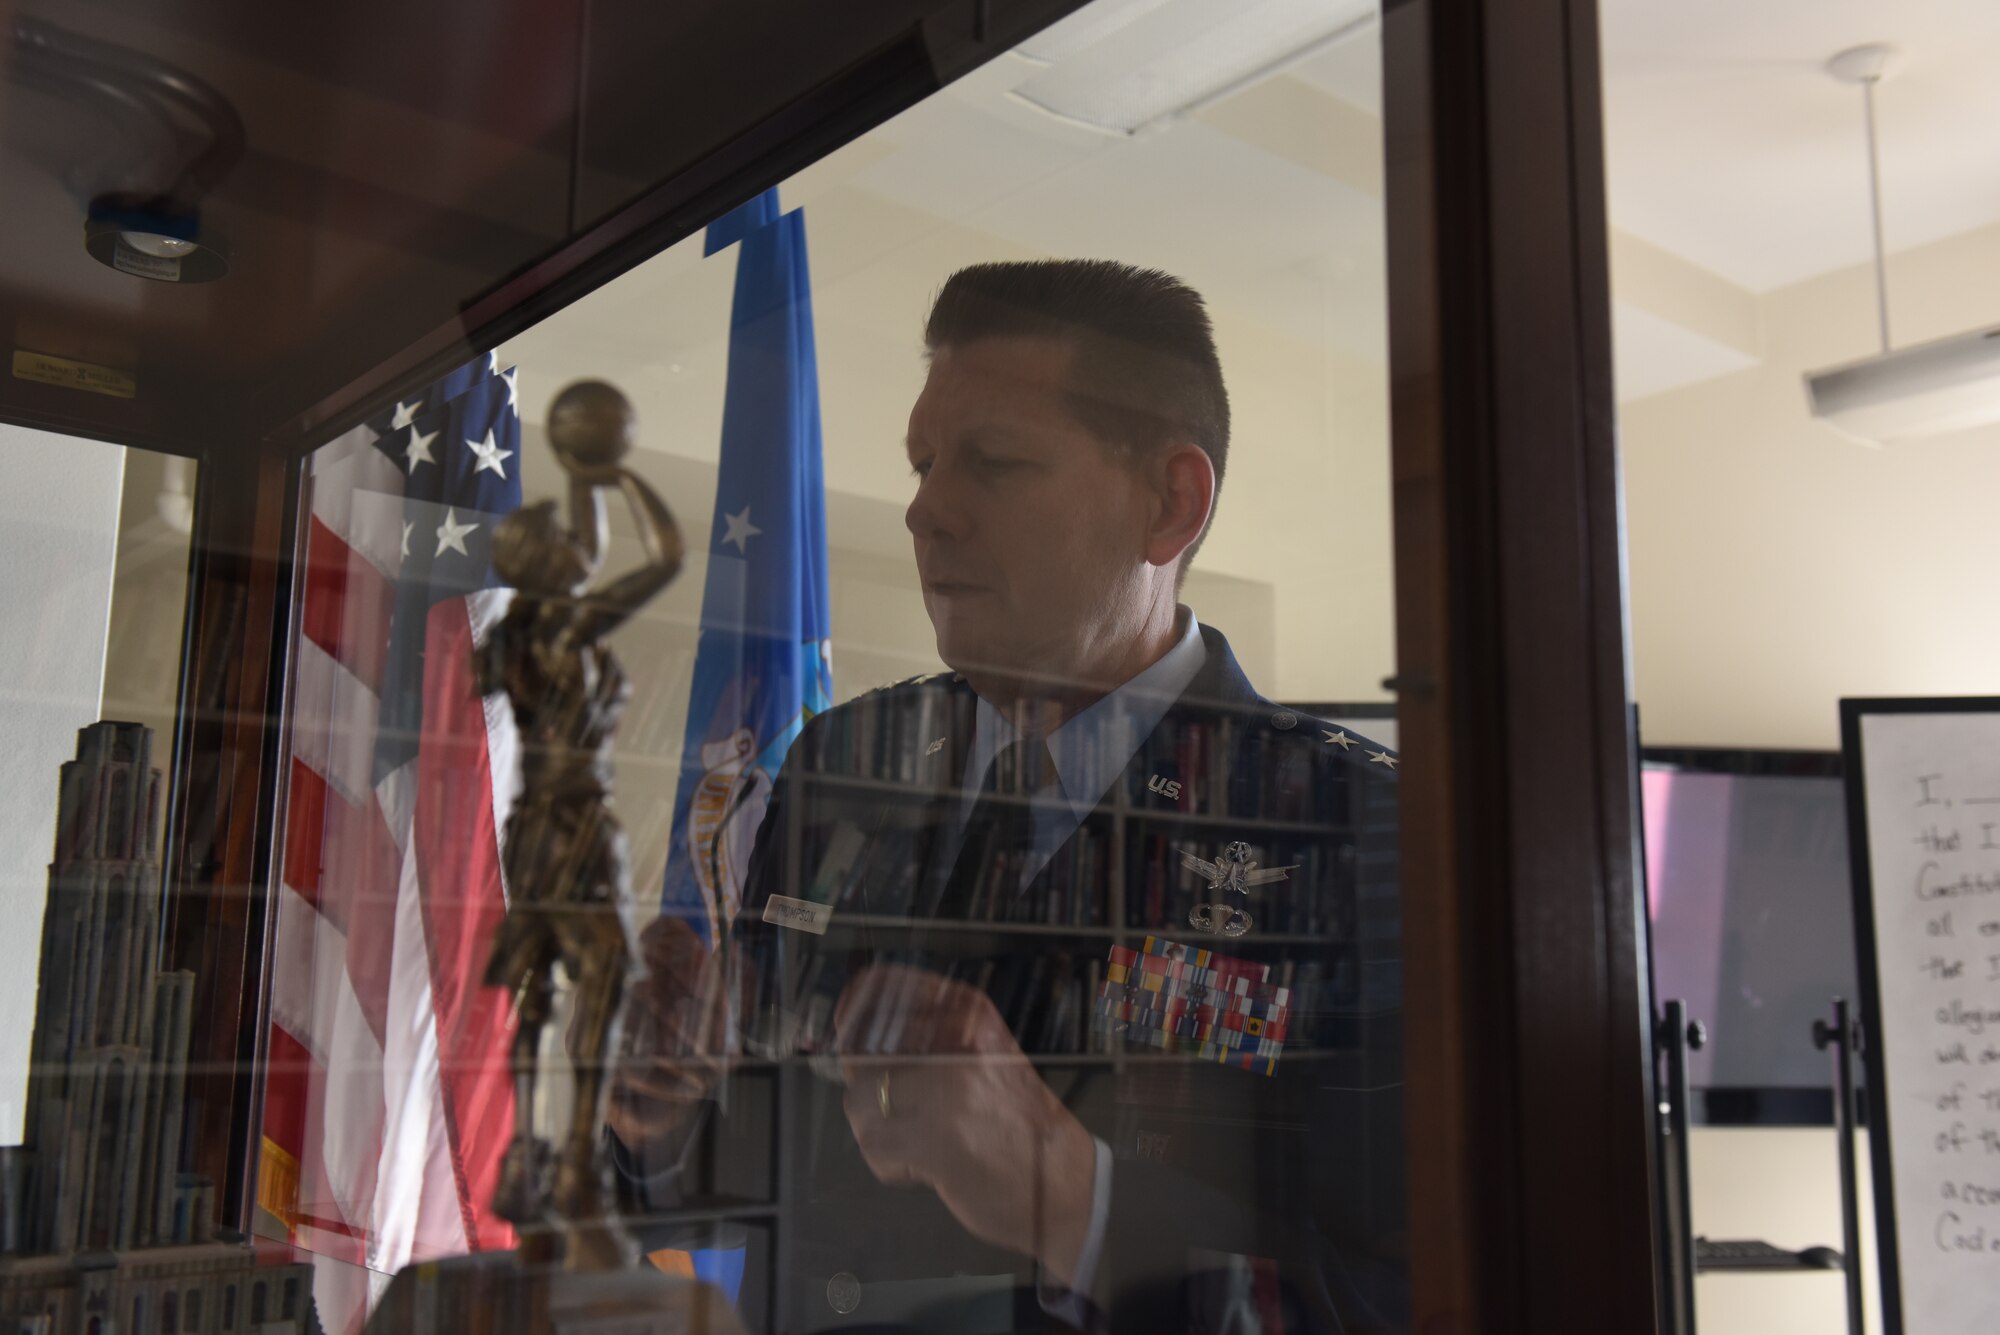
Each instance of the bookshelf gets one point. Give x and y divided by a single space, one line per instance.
1116 881
1043 961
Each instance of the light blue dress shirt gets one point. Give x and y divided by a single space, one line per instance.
1090 750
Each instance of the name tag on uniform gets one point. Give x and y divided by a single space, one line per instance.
784 911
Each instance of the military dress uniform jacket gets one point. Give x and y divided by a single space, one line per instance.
1255 1186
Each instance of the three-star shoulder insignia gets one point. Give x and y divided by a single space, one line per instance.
1382 758
1338 737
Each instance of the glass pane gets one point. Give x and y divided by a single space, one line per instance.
1012 849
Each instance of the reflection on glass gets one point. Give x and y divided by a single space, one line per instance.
1075 957
1017 880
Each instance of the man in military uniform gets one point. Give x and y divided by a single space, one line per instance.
1091 948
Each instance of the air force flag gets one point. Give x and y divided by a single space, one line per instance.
762 667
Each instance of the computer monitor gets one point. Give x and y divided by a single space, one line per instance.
1752 926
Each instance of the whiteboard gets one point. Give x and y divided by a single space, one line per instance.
1924 815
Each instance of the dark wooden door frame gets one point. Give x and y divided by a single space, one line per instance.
224 802
1530 1087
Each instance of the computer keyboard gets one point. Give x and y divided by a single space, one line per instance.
1748 1255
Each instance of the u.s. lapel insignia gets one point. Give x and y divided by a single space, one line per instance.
935 747
1232 875
1165 787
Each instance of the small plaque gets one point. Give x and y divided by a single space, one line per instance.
806 916
47 370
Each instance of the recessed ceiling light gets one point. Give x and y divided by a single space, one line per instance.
155 233
158 245
151 237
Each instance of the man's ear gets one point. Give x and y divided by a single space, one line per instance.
1184 481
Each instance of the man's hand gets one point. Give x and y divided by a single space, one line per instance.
676 1040
939 1094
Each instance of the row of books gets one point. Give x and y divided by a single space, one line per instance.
1045 997
872 740
1203 758
884 876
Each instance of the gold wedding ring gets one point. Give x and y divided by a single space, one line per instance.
882 1096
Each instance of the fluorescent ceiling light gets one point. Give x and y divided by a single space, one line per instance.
1948 384
1121 65
1083 29
1926 389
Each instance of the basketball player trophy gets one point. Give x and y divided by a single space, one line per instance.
576 1269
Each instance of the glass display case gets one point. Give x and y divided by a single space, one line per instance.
781 378
844 821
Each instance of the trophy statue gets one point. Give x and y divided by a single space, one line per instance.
565 855
568 904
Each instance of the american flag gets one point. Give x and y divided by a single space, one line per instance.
388 1102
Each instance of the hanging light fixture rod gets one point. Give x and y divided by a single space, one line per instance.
1924 389
1865 65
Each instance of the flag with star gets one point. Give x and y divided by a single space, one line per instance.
388 1103
762 667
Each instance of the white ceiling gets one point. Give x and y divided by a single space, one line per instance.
1252 231
1729 145
1729 151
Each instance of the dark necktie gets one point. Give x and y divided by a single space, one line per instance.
998 832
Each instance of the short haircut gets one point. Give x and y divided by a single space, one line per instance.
1145 372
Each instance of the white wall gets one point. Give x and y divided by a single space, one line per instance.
1304 511
58 538
1777 566
1780 1185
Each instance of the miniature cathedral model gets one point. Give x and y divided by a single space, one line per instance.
99 1228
